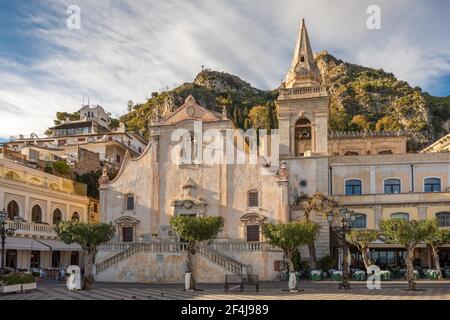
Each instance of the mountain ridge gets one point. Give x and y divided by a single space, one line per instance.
361 98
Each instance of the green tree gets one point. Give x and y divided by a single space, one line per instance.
130 106
434 238
89 237
409 234
361 122
319 204
62 116
387 123
194 230
361 238
62 168
289 236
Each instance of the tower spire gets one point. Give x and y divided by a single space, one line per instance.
303 70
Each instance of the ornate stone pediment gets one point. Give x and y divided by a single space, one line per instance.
252 218
191 110
126 221
189 203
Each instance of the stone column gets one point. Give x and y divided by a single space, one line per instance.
283 182
26 214
223 185
372 180
2 200
378 215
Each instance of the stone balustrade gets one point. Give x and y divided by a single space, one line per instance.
236 246
313 91
32 229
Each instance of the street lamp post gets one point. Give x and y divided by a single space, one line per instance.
347 217
4 232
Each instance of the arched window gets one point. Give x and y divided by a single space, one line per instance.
400 215
385 152
432 185
353 187
36 214
75 217
57 216
392 186
302 136
252 198
351 153
13 209
129 202
359 221
443 219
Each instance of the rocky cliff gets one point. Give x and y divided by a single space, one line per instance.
362 98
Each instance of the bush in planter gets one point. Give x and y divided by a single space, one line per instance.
17 278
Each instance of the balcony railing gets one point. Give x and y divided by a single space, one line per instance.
312 91
32 229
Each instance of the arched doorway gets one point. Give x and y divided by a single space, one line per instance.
13 209
36 214
303 136
11 259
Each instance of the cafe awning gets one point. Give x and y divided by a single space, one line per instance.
58 245
18 243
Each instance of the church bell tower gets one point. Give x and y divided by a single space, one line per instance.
303 105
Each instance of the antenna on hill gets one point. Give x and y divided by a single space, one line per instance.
83 100
203 68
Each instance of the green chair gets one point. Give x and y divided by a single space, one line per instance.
432 274
337 276
447 273
316 275
359 276
385 275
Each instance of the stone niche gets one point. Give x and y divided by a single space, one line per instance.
189 203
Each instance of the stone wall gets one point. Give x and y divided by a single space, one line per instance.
151 267
87 161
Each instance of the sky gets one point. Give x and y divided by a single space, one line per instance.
127 49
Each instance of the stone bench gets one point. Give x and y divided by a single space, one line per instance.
241 281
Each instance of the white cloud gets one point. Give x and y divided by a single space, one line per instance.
127 49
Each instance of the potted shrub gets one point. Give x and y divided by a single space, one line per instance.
10 283
28 282
17 282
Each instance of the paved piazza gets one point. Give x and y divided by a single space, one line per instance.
269 291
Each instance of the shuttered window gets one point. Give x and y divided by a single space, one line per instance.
252 233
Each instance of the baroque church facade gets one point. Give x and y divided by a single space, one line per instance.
370 173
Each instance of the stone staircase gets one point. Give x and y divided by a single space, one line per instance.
134 248
128 250
223 261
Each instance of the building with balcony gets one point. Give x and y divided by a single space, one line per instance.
42 200
91 133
